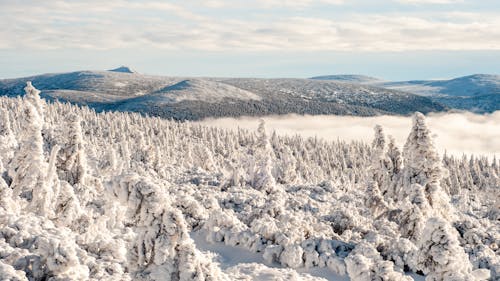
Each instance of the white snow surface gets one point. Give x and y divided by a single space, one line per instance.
118 196
198 89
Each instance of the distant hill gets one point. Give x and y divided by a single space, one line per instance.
196 98
472 85
123 69
477 93
349 78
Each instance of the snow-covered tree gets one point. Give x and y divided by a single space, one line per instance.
440 255
29 168
394 167
148 198
263 178
8 142
422 166
72 163
365 263
379 178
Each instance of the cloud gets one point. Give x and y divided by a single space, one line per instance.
185 26
267 4
457 133
429 1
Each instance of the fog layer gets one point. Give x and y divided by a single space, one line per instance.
457 133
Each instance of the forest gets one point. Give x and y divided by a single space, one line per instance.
118 196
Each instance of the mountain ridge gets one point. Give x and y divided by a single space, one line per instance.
187 98
477 93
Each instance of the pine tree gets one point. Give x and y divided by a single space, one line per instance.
422 166
440 255
378 177
71 164
29 168
264 179
8 142
394 169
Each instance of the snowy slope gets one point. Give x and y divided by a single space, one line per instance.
119 196
473 85
121 85
197 98
361 97
190 90
477 93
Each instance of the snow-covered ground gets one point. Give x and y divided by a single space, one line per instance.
118 196
232 258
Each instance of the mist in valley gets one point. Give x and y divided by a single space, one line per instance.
455 133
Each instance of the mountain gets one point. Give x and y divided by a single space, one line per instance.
472 85
123 69
198 98
349 78
477 93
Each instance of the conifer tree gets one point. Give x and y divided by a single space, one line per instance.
29 168
440 255
422 166
264 179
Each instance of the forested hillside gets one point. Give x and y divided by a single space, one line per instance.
184 98
118 196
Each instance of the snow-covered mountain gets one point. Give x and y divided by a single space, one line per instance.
120 196
478 93
196 98
349 78
473 85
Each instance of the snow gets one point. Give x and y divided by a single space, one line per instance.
120 196
234 259
198 89
196 98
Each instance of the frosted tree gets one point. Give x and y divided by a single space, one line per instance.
29 169
394 167
8 142
378 179
394 156
288 168
33 96
71 164
440 255
365 263
7 200
163 246
138 224
263 178
414 209
422 166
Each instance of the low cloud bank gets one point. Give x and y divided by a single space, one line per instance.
457 133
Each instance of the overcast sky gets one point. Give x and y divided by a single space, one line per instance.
390 39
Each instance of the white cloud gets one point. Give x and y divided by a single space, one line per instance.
121 24
428 1
457 133
266 3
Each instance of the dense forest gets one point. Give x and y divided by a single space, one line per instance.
118 196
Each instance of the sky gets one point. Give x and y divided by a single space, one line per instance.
388 39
